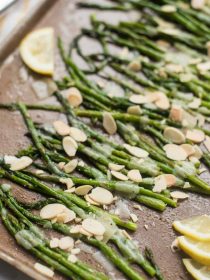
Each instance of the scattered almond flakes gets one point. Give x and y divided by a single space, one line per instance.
175 152
198 4
109 123
168 8
186 185
89 200
135 65
160 184
50 211
136 206
207 143
175 245
146 227
179 195
75 251
116 167
163 101
134 110
174 135
68 181
83 190
174 68
136 151
77 134
198 153
134 218
195 104
18 163
194 160
44 270
195 135
71 190
93 226
70 166
66 243
170 179
176 113
204 66
70 146
74 97
134 175
138 99
72 258
119 175
189 149
101 196
54 243
61 128
125 233
61 165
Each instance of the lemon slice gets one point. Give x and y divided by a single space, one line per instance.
36 50
196 227
199 251
198 271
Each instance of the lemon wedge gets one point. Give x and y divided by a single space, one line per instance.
198 271
36 50
197 250
196 227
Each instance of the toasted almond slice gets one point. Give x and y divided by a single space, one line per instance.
70 215
207 143
75 251
188 120
179 195
54 243
67 181
77 134
195 135
185 77
160 184
186 185
138 99
61 165
134 218
85 232
189 149
72 258
134 175
60 218
204 66
115 167
126 234
109 123
136 151
70 146
9 159
75 229
134 110
176 113
174 135
198 4
99 237
91 201
163 44
74 97
61 128
175 152
168 8
195 104
170 179
83 190
101 196
21 163
50 211
200 120
119 175
66 243
135 65
93 226
71 190
198 153
194 160
174 68
44 270
71 165
163 101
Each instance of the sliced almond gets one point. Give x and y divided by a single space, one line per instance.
174 135
66 243
77 134
136 151
134 218
160 184
75 229
170 179
119 175
109 123
70 146
83 190
74 97
175 152
198 153
204 66
134 175
72 258
85 232
91 201
195 135
116 167
50 211
138 99
70 166
93 226
54 243
188 120
134 110
71 190
61 165
198 4
179 195
163 101
44 270
189 149
135 65
176 113
168 8
69 215
185 77
174 68
61 128
75 251
186 185
67 181
101 196
195 104
194 160
207 143
20 163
